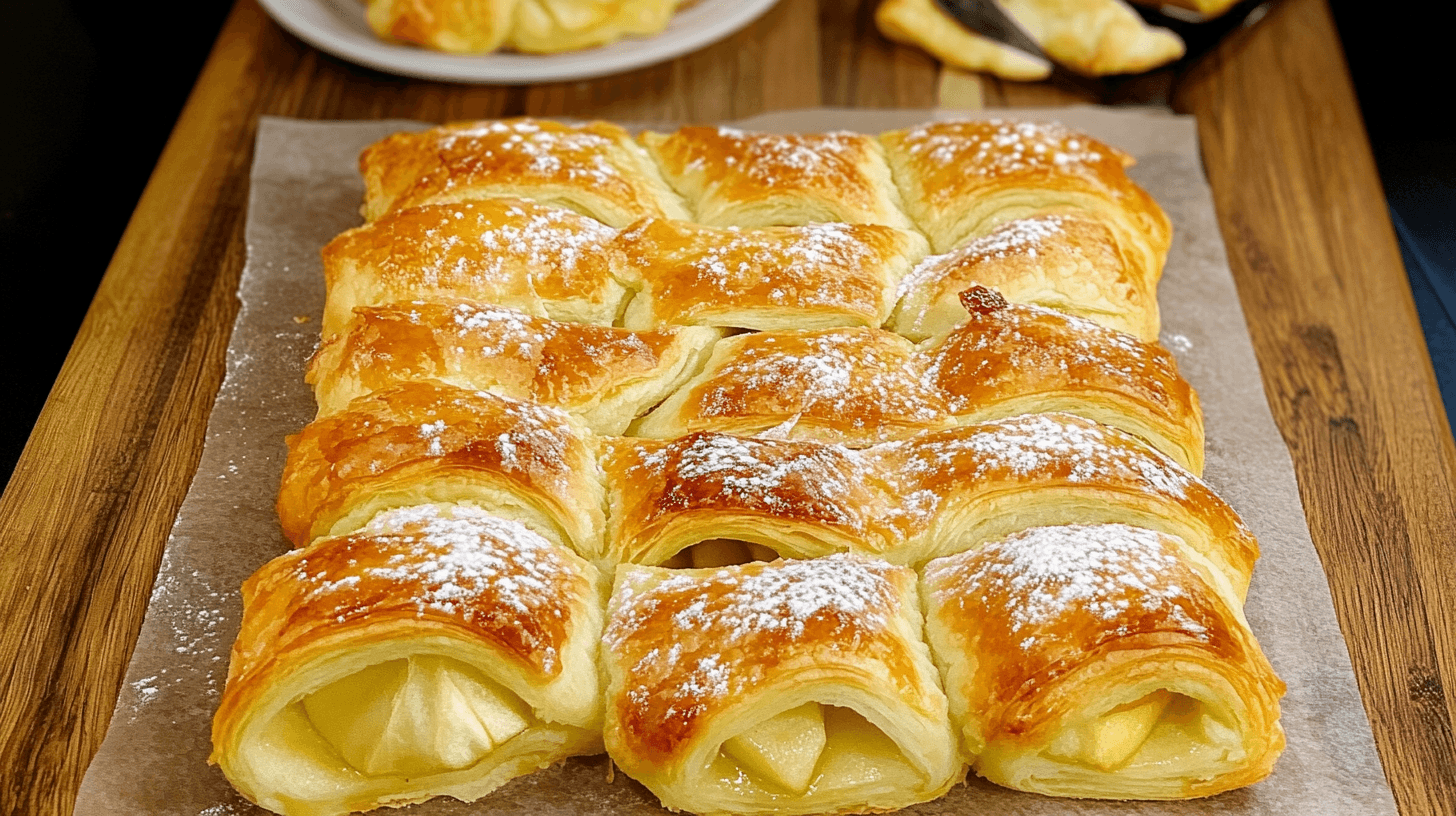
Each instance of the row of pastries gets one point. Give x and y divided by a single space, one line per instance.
684 448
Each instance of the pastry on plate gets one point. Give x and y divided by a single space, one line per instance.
739 178
1068 262
436 652
709 499
504 251
1008 359
976 483
1091 37
851 386
429 442
962 179
1102 661
594 168
790 687
603 375
817 276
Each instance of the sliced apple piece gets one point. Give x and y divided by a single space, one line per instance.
1117 735
783 749
499 712
718 552
354 712
861 755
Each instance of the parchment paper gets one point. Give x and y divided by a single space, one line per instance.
305 190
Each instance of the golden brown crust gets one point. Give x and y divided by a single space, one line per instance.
1049 621
851 386
742 628
961 486
962 179
505 251
1008 359
800 499
737 178
1066 261
583 369
594 168
455 26
814 276
474 577
427 441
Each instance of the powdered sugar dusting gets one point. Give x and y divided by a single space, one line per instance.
547 150
999 147
456 560
775 159
1023 236
722 622
1044 574
1031 446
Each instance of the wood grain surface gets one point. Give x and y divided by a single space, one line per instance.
86 514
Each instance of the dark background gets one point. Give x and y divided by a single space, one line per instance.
91 90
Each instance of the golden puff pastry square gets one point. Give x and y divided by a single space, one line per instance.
594 168
1102 661
508 252
790 687
551 26
437 652
848 386
428 442
604 376
738 178
817 276
711 499
1068 262
1008 359
962 179
976 483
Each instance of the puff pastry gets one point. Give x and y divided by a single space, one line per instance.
602 375
1091 37
1009 359
456 26
437 652
1102 661
541 260
738 178
810 277
791 687
852 386
425 442
549 26
979 482
595 169
718 496
962 179
1068 262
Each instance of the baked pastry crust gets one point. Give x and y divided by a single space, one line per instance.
980 482
594 168
454 26
428 442
753 641
817 276
1009 359
1068 262
850 386
481 597
541 260
1090 37
962 179
550 26
739 178
604 376
1050 640
798 499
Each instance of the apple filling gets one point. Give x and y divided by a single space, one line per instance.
1161 727
819 748
416 716
720 552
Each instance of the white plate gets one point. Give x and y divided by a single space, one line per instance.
338 27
